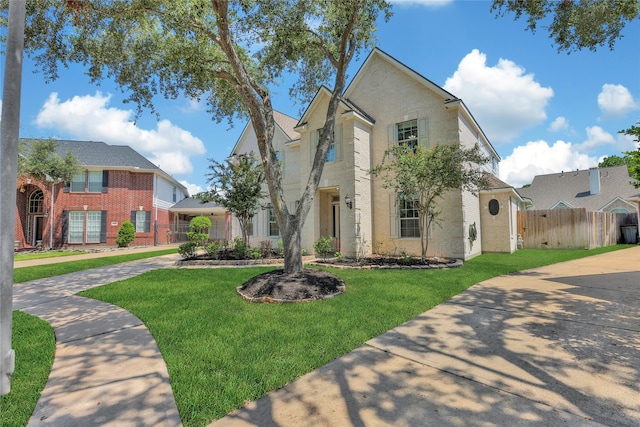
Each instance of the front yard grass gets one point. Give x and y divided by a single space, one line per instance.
222 351
44 254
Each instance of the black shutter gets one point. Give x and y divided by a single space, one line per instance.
105 181
65 227
133 218
147 221
103 227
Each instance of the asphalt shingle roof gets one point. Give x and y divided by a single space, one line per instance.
92 153
573 188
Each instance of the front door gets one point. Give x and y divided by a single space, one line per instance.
335 220
38 226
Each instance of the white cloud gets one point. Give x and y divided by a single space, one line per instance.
559 124
89 117
596 138
539 158
192 188
503 98
615 101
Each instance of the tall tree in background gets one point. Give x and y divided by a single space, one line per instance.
421 176
574 25
633 157
226 52
236 184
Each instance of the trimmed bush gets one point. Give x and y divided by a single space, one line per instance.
188 249
324 247
213 249
126 234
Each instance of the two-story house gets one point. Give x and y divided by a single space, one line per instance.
386 103
116 184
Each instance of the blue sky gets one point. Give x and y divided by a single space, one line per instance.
542 110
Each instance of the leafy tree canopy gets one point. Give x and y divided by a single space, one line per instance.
612 161
39 160
424 175
574 24
633 157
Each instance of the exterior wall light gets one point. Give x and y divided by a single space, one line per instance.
348 201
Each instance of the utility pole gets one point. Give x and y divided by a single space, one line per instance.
9 137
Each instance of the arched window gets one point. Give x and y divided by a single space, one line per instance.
36 202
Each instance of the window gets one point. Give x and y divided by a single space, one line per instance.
250 226
335 149
36 202
494 207
94 222
95 182
407 133
76 226
272 225
141 221
175 194
78 182
409 220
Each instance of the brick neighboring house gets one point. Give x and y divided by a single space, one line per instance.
116 184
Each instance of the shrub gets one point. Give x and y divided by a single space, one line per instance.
339 256
324 247
239 248
255 253
213 249
126 234
280 248
188 249
197 238
200 224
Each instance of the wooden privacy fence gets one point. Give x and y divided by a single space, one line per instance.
571 228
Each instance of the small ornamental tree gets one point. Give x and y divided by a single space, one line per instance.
236 184
126 234
39 160
423 175
199 230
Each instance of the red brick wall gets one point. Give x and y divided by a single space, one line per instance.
127 191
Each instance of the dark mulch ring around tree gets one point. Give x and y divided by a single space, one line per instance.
276 286
391 262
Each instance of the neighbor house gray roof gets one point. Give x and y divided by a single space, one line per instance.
92 153
573 188
193 205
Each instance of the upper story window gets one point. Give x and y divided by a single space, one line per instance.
335 149
95 182
175 194
78 182
407 133
89 181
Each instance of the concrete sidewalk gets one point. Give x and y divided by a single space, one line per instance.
551 346
107 370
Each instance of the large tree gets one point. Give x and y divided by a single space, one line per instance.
421 177
228 53
39 160
236 184
633 157
574 24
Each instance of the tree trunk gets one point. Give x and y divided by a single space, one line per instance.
291 239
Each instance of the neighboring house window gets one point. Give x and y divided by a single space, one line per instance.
141 221
90 228
407 133
36 202
272 225
95 182
409 220
78 182
175 194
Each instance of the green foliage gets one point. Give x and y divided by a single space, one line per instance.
324 246
574 25
188 249
200 224
633 157
280 248
239 248
612 161
424 175
213 249
126 234
255 253
38 159
236 184
338 256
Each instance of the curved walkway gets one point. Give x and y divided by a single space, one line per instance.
107 370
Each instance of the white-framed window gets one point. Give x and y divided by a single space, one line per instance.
78 182
36 202
94 226
409 219
250 226
76 226
272 224
141 217
334 153
407 133
94 184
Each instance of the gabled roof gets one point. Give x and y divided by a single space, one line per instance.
284 123
195 206
347 104
573 189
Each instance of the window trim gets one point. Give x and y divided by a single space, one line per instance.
403 231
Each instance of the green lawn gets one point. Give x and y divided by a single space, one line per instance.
44 254
222 351
25 274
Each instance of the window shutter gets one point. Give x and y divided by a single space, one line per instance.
65 227
393 215
423 132
147 221
391 135
314 136
103 227
105 181
133 219
337 141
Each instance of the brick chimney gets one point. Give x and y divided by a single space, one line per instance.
594 180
